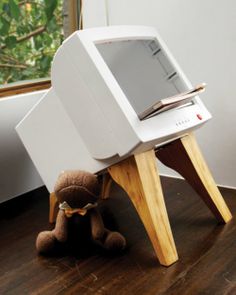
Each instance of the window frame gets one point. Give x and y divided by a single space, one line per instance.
24 87
73 22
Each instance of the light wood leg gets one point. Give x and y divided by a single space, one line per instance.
139 177
106 186
53 208
184 156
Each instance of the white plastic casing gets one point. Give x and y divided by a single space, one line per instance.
99 118
96 103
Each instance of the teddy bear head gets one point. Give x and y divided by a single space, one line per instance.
77 188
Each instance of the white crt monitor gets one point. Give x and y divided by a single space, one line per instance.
102 79
106 77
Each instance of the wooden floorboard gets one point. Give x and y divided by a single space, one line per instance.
207 251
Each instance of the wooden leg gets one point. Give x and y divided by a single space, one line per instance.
139 177
106 186
53 208
184 156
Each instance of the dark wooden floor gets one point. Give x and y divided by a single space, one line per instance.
207 251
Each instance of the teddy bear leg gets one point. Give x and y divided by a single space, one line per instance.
45 242
114 241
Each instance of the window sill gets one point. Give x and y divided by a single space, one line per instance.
24 87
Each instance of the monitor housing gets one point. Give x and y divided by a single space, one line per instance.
108 76
102 78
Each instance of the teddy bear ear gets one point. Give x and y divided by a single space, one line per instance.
61 173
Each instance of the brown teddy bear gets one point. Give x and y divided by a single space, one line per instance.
77 193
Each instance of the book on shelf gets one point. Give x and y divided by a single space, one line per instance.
172 102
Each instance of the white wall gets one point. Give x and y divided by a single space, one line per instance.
17 173
202 37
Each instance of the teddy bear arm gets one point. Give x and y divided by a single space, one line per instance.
61 227
97 226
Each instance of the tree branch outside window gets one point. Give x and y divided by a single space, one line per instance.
30 33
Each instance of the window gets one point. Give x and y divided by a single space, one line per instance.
30 33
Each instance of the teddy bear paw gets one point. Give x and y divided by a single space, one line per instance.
114 242
45 242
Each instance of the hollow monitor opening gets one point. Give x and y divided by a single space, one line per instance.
143 71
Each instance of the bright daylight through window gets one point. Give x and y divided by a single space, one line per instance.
30 33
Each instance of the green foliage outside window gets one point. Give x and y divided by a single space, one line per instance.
30 33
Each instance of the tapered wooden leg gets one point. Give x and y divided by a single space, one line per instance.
106 186
184 156
53 208
139 177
